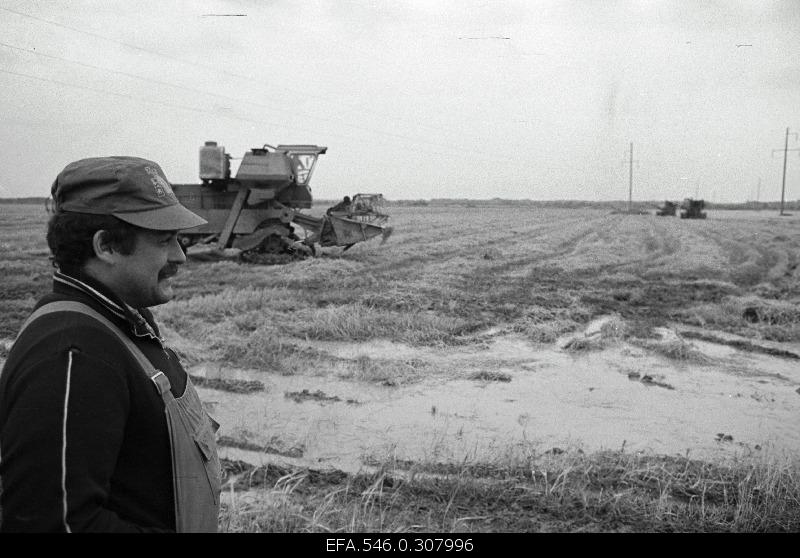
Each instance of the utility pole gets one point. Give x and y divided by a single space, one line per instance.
785 151
758 194
630 182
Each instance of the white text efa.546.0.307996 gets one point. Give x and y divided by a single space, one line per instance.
401 544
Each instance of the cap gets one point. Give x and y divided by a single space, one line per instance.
132 189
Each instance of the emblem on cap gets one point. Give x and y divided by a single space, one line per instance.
161 186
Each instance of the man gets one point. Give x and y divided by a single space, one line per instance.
343 205
100 427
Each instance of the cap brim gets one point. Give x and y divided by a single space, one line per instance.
169 218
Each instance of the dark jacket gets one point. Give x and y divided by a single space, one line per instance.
104 464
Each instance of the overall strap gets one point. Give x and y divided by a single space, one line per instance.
156 376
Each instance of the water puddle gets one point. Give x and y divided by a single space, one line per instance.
619 396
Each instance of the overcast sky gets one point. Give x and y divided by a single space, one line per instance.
414 99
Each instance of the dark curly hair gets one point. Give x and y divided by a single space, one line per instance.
70 235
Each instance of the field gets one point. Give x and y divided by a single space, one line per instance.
494 367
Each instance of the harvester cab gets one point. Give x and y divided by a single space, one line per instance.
256 214
693 209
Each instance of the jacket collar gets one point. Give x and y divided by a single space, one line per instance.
139 320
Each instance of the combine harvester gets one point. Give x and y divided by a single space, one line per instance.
693 209
255 216
667 210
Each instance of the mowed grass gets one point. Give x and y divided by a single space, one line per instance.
450 271
561 492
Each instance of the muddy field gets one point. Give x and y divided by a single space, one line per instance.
486 335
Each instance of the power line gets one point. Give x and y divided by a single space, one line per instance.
206 111
545 167
248 120
202 66
114 93
226 97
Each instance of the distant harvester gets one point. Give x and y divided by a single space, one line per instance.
693 209
668 209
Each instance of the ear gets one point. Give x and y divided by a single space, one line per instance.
102 250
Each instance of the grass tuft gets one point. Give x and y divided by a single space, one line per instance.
490 376
674 349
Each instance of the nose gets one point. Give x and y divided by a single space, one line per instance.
176 253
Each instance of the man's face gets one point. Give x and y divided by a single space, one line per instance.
143 277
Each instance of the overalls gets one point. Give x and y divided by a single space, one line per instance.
195 464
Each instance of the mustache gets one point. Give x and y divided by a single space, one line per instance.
168 271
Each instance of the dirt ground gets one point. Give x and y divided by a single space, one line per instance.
506 395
